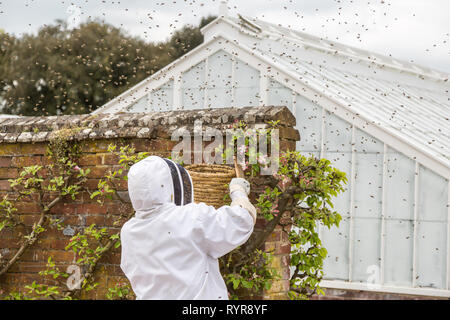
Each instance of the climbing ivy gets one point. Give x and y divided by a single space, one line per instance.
45 185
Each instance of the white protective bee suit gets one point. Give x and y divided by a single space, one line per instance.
171 246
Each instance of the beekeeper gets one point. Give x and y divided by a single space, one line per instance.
170 248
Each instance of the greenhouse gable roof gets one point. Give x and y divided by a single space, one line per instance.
408 102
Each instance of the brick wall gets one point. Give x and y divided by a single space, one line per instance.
23 142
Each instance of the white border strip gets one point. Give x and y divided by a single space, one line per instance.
206 83
343 285
416 221
263 87
352 205
383 215
177 93
323 130
233 80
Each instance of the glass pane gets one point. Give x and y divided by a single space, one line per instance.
142 105
431 254
335 240
246 85
279 95
432 229
219 80
368 185
366 247
309 125
162 98
193 87
399 232
398 252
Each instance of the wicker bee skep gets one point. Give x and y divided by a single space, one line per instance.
210 182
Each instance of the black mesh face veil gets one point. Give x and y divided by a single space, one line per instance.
188 192
177 189
182 184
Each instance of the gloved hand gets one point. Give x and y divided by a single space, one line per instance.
239 191
240 184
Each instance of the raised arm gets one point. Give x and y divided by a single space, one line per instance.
228 227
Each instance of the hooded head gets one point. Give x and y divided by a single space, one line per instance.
155 181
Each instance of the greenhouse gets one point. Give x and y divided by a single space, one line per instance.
383 121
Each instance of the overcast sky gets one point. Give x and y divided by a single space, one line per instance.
411 30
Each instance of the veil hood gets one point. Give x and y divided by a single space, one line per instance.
155 181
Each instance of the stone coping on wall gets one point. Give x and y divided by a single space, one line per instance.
141 125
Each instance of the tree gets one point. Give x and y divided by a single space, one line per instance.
61 71
187 38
